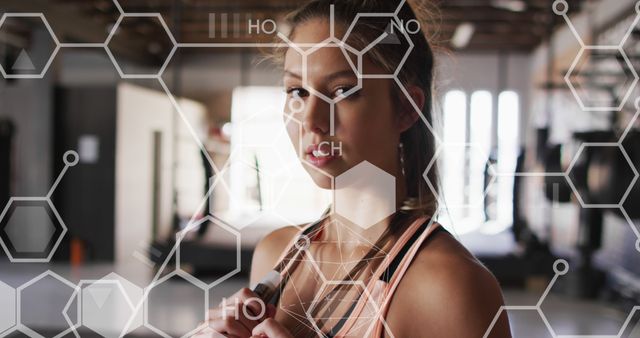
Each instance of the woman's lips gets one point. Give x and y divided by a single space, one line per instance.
320 161
318 156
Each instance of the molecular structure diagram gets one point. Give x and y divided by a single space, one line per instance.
135 299
561 8
132 302
12 230
560 268
16 211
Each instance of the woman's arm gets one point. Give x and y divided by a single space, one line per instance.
449 294
268 250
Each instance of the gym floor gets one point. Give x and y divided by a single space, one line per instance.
176 309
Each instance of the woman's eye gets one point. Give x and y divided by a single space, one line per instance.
342 91
297 92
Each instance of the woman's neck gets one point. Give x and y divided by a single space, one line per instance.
364 211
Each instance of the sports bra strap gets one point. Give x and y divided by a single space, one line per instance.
389 269
421 227
399 274
306 230
400 256
393 266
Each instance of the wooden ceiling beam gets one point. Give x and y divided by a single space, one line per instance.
80 28
494 26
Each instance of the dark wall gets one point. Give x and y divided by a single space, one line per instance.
7 131
85 197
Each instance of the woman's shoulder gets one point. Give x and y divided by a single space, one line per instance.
278 238
444 254
450 289
269 249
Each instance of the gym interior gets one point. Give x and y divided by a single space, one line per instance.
142 147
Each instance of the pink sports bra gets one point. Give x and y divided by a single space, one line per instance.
367 316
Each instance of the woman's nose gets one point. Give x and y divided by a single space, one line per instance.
316 116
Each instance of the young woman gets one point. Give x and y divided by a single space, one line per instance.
403 276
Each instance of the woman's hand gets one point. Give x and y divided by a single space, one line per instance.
238 315
270 328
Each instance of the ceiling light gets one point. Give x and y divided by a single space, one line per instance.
462 35
510 5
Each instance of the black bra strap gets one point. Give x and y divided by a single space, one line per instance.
391 269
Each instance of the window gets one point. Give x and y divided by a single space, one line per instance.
452 160
481 111
468 134
480 141
455 116
508 151
265 175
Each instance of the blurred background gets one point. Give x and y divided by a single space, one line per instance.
176 116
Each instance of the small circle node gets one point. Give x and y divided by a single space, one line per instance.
561 267
70 158
560 7
296 105
303 243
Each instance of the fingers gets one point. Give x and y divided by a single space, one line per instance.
271 311
270 328
231 321
208 332
255 307
241 313
251 300
238 315
230 327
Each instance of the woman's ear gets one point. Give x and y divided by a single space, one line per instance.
408 114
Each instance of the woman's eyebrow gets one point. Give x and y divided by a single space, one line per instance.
342 73
292 74
328 78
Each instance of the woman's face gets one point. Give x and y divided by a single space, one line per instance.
366 122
